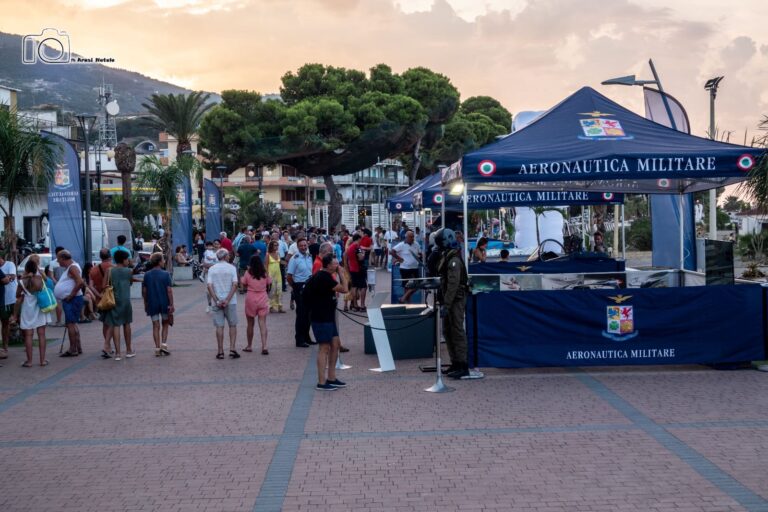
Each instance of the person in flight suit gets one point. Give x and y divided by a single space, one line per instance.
454 289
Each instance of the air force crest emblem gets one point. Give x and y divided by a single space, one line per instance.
620 321
211 199
61 178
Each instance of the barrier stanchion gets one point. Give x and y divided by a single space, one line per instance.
339 363
438 386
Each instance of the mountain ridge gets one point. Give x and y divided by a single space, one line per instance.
74 87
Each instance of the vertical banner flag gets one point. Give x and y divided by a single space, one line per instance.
212 203
182 216
665 214
65 211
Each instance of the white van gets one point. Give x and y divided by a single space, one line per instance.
105 229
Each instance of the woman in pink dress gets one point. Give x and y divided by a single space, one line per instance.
256 283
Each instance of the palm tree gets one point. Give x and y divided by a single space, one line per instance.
125 161
179 115
248 201
757 185
165 181
27 161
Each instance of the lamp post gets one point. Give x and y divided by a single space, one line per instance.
631 80
221 169
86 122
200 194
711 86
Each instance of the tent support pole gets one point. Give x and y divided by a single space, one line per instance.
615 229
466 227
682 230
442 208
623 235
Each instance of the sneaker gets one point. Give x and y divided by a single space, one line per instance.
325 387
130 354
336 383
208 309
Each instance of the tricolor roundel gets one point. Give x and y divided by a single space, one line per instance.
438 198
745 162
486 168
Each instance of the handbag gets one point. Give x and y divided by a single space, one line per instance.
46 301
107 301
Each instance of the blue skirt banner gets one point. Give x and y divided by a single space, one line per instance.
212 210
697 325
182 217
575 264
65 211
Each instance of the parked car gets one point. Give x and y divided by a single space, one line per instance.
45 260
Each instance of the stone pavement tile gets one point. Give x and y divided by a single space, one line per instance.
149 412
173 477
670 396
192 365
402 405
740 452
596 471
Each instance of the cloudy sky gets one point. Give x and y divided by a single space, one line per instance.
529 54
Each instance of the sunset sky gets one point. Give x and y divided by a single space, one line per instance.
529 54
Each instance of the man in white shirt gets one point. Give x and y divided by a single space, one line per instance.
407 254
9 297
222 286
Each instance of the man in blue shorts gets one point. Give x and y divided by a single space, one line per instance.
321 292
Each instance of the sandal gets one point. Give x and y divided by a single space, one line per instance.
247 349
265 352
220 355
233 354
67 354
44 363
105 355
26 364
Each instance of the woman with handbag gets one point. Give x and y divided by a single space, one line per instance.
31 317
257 284
119 279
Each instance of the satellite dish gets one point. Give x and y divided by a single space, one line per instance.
112 108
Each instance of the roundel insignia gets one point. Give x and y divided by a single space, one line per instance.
745 162
608 196
486 168
398 206
438 198
663 183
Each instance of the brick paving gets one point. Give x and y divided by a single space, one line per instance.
192 433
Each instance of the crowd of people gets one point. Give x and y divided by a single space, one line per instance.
316 267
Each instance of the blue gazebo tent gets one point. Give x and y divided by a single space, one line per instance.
588 142
403 202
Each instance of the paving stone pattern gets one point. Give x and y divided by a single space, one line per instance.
192 433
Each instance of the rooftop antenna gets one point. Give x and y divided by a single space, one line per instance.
108 104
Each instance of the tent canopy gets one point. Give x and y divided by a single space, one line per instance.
588 142
403 202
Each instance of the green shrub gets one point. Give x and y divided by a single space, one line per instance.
639 235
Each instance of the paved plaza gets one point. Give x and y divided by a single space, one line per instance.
192 433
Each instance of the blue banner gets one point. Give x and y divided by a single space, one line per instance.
212 203
702 324
65 211
665 223
181 223
487 199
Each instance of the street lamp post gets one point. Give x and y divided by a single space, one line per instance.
86 122
630 80
711 86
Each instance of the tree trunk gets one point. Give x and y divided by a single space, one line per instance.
334 202
181 147
416 161
169 242
10 237
127 206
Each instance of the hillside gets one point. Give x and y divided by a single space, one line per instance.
74 87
